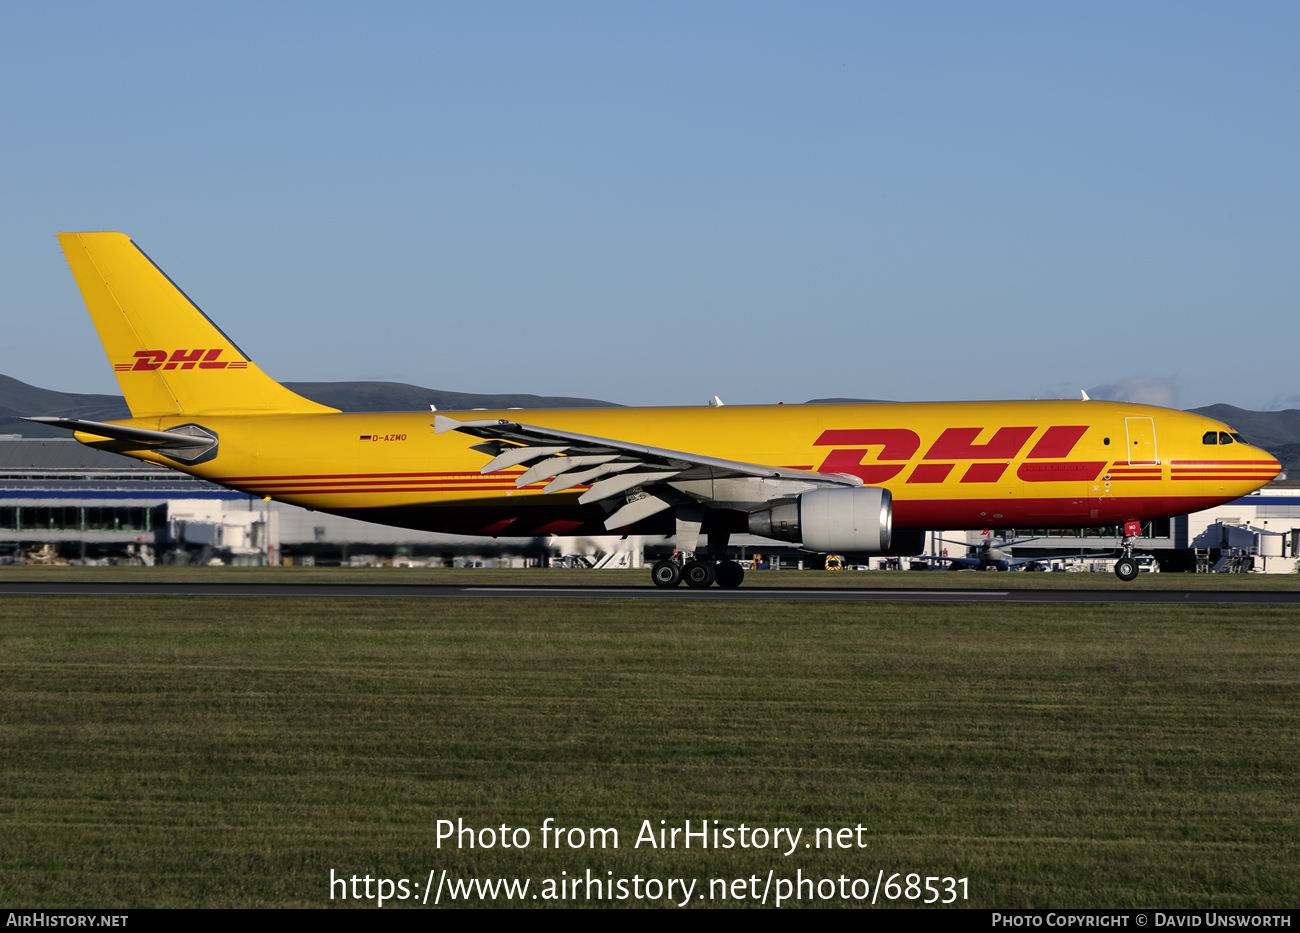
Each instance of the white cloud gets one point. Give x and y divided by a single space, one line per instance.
1282 402
1144 390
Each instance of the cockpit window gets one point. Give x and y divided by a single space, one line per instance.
1211 437
1225 438
1238 438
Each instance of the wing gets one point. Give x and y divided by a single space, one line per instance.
631 481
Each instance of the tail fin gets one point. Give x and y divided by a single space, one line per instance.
168 357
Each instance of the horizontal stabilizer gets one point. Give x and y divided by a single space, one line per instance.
121 432
187 443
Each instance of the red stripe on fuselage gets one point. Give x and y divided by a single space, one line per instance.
1068 471
322 491
250 479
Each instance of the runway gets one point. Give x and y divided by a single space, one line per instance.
743 594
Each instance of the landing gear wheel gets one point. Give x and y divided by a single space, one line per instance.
666 573
698 574
1126 568
730 574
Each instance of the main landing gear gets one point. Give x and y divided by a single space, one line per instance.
697 574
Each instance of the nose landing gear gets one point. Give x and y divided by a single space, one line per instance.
1126 568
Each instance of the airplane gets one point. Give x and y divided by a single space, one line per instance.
992 554
839 478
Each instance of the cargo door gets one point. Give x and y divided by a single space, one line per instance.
1141 441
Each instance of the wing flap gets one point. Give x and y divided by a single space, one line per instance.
583 477
637 509
608 488
518 456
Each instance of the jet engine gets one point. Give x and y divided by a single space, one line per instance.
857 518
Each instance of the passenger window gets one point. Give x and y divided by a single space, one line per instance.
1211 437
1238 438
1224 438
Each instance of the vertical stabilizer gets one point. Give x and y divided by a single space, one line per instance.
168 357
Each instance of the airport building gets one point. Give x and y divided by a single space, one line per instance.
1259 532
61 501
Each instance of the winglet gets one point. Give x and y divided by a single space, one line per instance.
1085 395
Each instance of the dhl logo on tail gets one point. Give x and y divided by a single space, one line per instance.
149 360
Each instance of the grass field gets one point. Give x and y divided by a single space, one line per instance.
766 578
196 752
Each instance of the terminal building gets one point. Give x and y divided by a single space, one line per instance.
63 502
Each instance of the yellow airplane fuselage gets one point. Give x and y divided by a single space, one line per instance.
948 465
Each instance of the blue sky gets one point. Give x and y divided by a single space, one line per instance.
654 203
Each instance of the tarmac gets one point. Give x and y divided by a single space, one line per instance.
744 593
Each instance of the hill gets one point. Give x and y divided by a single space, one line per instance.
18 399
398 396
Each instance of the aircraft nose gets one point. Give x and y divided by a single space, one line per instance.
1268 466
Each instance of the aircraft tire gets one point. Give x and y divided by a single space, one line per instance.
730 574
698 574
1126 569
666 574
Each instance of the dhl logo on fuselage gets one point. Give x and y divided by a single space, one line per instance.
149 360
954 444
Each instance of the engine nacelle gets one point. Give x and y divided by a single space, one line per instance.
856 518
